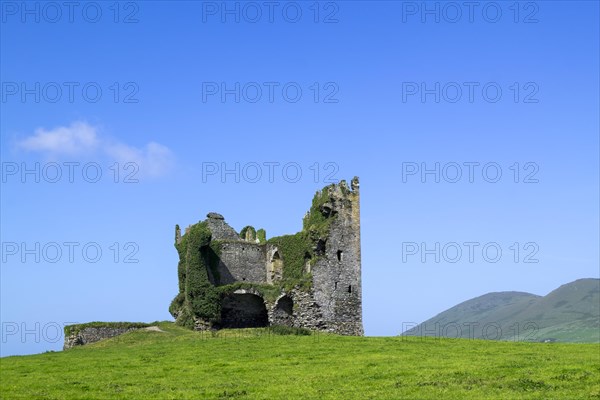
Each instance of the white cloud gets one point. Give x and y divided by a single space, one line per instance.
81 139
153 159
76 139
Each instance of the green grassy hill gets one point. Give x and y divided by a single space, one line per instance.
255 364
570 313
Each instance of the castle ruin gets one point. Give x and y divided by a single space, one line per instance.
311 279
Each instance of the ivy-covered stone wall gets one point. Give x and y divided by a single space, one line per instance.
217 266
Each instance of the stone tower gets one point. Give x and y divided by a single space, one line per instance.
310 279
337 275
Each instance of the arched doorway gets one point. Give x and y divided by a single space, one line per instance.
274 267
243 310
284 310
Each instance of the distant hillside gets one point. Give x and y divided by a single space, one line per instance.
570 313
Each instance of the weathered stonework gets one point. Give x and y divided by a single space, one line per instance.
91 335
241 261
311 279
305 312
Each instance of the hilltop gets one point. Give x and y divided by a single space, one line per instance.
570 313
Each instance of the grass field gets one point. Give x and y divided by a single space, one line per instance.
252 364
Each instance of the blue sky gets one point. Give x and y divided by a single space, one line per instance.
379 96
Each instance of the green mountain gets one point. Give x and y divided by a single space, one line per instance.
570 313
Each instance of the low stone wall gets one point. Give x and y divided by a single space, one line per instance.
93 334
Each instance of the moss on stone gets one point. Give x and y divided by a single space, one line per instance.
214 258
317 221
261 235
268 292
76 328
177 303
294 248
185 318
248 233
201 298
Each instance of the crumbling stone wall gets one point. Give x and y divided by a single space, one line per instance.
311 279
242 261
91 335
337 276
219 228
306 312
